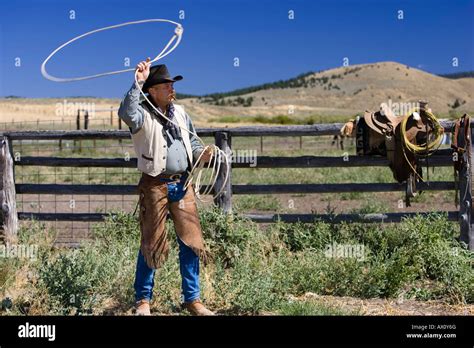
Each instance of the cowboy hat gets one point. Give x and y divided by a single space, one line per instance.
159 74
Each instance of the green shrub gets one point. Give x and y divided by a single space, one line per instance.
80 280
301 236
254 269
228 237
8 268
73 280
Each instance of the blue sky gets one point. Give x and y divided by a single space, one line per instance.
268 44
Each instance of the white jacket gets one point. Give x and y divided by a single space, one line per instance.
150 142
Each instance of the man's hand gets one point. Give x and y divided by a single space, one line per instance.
143 69
206 156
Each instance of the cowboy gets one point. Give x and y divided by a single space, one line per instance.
165 153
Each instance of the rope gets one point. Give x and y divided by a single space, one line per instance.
425 149
198 167
178 34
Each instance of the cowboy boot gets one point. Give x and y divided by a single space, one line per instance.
142 307
196 307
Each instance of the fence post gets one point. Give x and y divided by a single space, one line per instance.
120 127
78 119
8 215
86 125
224 199
78 127
112 116
12 155
86 120
470 236
60 140
465 191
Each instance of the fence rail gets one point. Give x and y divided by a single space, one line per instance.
69 189
262 161
247 131
223 137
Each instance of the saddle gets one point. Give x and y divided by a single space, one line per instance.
381 133
381 129
460 145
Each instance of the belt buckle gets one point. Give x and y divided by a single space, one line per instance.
175 177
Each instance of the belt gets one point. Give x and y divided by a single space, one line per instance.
167 177
172 177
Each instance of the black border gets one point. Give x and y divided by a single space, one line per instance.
225 330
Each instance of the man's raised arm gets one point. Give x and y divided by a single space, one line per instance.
130 110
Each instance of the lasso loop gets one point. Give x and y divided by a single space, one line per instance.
177 36
217 155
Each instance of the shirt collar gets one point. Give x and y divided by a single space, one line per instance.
151 108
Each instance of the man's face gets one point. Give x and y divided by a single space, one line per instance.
162 94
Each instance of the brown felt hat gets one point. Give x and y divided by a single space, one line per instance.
159 74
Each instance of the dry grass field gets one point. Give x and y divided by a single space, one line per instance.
335 94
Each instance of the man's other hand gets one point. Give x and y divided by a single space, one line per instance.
206 156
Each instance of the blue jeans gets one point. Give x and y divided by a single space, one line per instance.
188 267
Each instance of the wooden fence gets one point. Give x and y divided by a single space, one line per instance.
223 139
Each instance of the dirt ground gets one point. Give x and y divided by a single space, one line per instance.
353 306
378 306
321 204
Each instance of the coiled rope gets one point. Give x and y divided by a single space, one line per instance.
430 146
217 155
